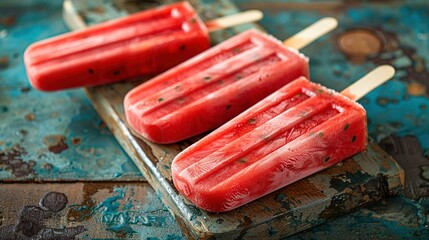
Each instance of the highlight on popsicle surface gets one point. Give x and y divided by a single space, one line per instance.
298 130
206 91
142 44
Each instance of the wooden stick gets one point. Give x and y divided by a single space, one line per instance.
233 20
361 87
71 17
368 82
311 33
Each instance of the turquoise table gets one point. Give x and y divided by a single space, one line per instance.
63 174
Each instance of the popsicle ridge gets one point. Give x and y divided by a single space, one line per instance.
248 73
294 161
128 34
116 50
207 82
256 116
169 78
286 130
284 155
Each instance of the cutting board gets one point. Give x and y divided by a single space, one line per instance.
356 182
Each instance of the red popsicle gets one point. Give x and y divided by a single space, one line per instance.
215 86
298 130
145 43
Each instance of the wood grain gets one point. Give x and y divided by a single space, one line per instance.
358 181
365 178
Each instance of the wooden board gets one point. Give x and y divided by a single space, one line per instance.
358 181
363 179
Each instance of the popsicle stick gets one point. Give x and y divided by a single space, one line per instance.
71 17
233 20
311 33
370 81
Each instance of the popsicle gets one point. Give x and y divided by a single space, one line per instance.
218 84
298 130
145 43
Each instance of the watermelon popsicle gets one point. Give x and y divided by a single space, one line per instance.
141 44
218 84
298 130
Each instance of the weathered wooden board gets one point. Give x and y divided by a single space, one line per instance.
358 181
23 111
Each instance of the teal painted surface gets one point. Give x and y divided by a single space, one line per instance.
85 210
394 218
37 121
131 217
391 108
48 135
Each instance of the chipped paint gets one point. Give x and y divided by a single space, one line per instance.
264 213
395 218
59 131
343 181
12 160
55 143
400 35
127 210
118 211
34 221
355 225
409 154
372 190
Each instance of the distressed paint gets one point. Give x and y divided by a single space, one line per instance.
370 178
383 220
162 155
397 35
393 218
409 154
59 135
404 34
116 210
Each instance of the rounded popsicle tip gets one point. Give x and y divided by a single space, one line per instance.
329 22
370 81
33 75
386 71
255 15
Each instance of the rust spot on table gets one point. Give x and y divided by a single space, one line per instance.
12 160
359 44
4 62
76 141
8 21
55 143
85 213
416 89
30 117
